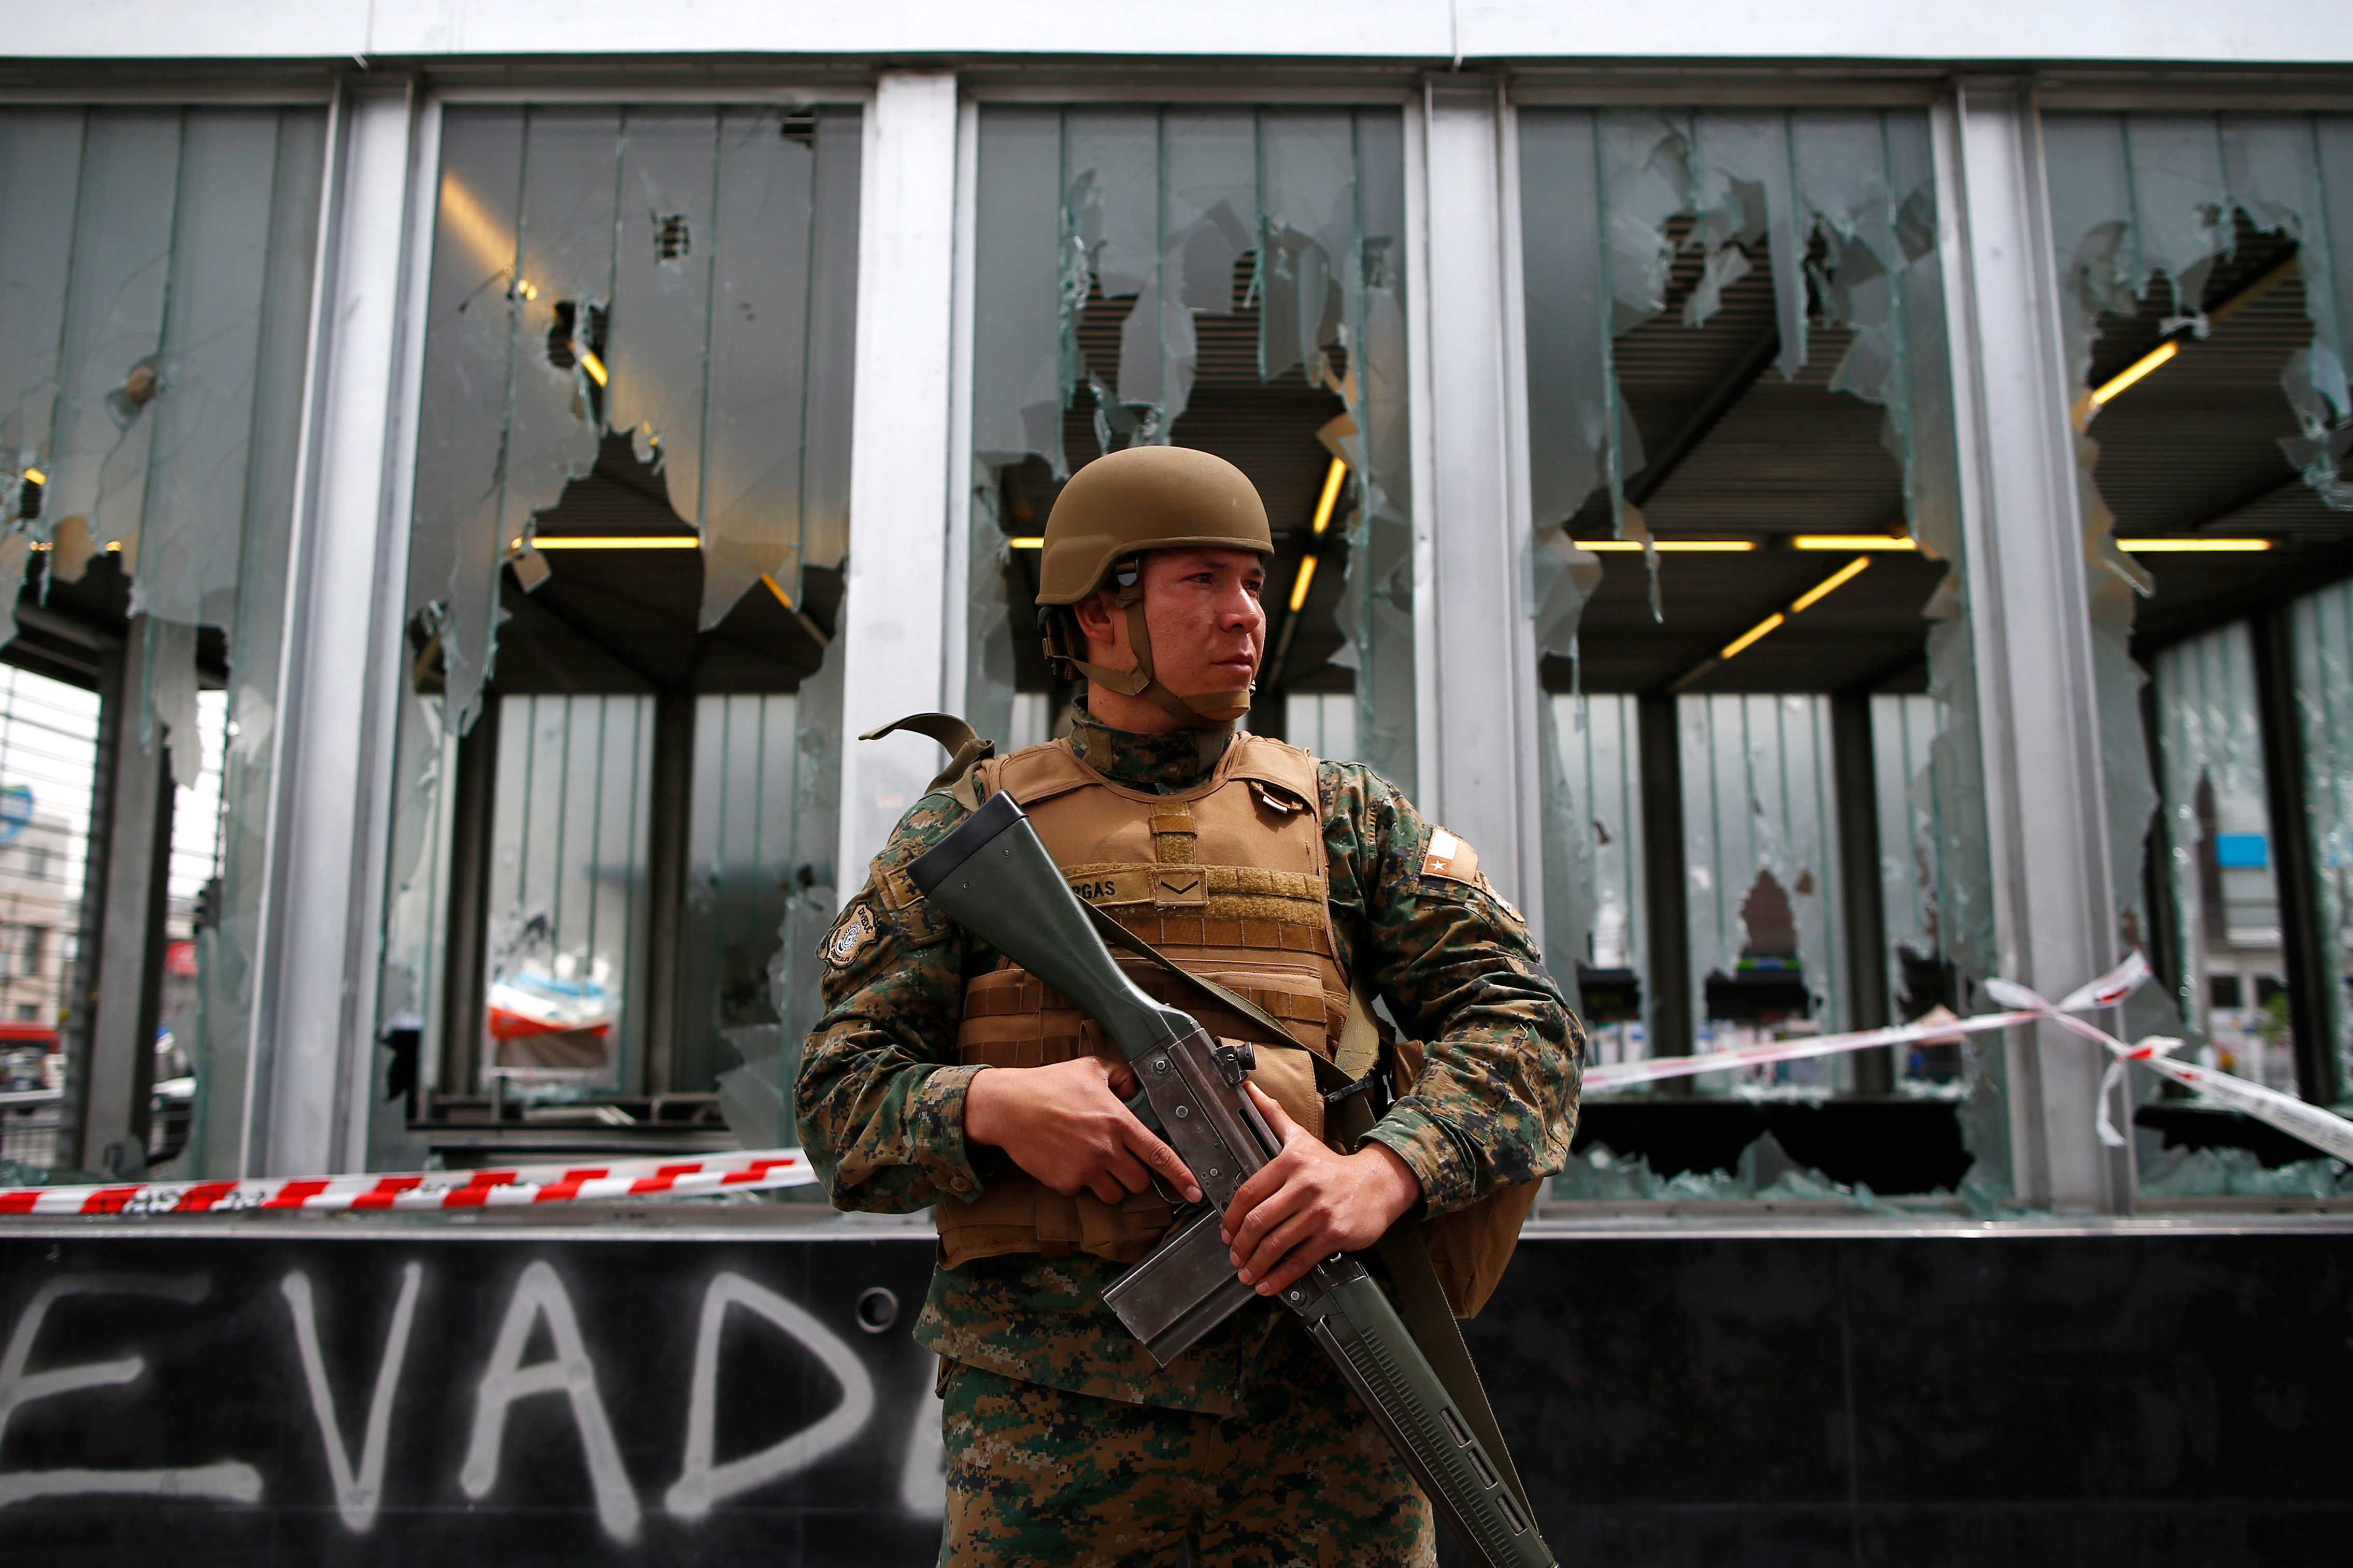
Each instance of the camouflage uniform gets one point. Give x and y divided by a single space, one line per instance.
881 1107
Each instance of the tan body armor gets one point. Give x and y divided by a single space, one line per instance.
1228 880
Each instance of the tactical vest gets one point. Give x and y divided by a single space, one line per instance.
1228 880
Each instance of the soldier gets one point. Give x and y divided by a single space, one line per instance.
941 1075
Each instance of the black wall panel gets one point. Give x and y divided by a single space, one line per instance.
1982 1397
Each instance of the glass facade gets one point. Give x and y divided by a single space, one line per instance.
154 328
631 508
2203 261
1229 278
1762 813
605 802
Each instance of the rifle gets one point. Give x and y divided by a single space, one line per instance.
994 877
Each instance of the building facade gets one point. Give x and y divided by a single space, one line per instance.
552 455
1838 506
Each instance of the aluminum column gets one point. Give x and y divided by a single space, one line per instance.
1478 716
116 1075
894 616
2046 809
308 1100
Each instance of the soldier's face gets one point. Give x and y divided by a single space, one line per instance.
1209 629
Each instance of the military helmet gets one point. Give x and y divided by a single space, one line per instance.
1113 510
1140 499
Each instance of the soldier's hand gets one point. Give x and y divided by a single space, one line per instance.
1065 1124
1308 1202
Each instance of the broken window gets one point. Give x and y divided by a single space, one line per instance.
1760 863
2206 291
567 896
752 871
154 344
1600 847
1760 768
1225 278
2320 648
1921 876
631 508
49 777
2227 961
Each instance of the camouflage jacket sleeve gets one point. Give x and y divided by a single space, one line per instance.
879 1098
1496 1100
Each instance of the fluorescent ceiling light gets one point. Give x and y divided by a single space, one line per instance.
1813 596
2132 373
1299 585
1772 622
1752 633
1853 542
1667 545
614 542
2192 546
1331 496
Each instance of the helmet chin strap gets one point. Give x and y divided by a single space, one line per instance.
1192 713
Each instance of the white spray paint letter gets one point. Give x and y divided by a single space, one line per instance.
923 1478
540 1294
703 1483
227 1480
356 1496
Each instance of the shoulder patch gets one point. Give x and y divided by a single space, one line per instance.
851 936
1450 859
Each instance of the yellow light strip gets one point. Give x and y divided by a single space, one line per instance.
2134 372
1751 634
37 477
1665 546
2191 546
1852 542
1029 542
782 597
1332 475
1299 585
593 366
1799 605
1813 596
617 541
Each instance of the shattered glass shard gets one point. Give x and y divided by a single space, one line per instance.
1160 205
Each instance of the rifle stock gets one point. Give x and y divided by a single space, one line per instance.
993 876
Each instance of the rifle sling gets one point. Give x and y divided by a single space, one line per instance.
964 744
1420 1300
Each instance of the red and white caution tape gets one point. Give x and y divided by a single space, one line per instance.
762 1169
2330 1133
2324 1129
749 1170
1619 1075
2106 992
